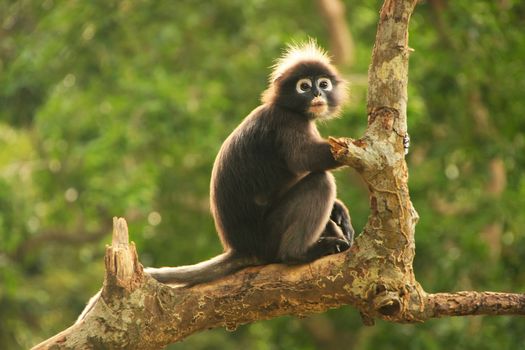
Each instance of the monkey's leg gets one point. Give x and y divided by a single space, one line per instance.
341 217
300 218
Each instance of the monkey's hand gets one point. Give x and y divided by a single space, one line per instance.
339 147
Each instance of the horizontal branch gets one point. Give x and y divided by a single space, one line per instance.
140 313
59 237
474 303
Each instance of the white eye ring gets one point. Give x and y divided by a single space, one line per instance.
324 84
303 85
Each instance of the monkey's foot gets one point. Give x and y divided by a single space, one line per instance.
327 246
342 219
406 143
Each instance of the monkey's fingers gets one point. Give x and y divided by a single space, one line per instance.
338 142
339 146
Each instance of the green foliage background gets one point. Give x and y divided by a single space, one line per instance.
117 108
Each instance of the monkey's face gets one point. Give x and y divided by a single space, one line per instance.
311 90
314 92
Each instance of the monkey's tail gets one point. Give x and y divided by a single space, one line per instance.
206 271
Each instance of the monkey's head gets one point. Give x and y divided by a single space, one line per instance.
303 80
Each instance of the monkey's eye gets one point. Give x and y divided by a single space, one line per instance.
303 85
324 84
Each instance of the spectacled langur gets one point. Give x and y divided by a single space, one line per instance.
272 196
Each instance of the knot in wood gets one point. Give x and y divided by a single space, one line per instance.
386 302
383 118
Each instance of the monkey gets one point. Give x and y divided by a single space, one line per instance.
272 195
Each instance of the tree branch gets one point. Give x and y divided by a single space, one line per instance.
474 303
63 237
341 42
375 275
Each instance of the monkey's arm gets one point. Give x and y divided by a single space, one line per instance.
312 157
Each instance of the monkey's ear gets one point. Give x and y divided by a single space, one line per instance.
342 92
268 95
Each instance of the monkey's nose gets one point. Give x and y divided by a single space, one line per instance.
316 92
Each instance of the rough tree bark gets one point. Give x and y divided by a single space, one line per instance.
375 276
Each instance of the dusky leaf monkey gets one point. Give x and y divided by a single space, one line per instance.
272 195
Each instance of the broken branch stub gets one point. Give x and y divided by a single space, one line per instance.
122 266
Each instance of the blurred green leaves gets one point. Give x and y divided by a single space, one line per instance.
119 107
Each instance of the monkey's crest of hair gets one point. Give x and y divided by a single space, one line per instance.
295 53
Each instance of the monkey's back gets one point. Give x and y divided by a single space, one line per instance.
249 174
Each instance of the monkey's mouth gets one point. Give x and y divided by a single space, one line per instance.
318 106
